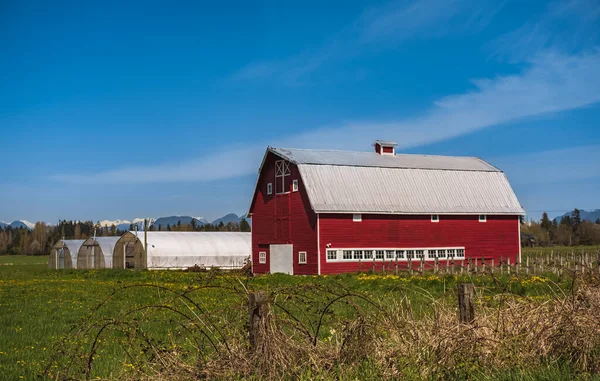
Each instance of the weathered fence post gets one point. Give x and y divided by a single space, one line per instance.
466 308
256 310
508 267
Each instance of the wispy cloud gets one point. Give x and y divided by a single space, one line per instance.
552 82
568 25
388 24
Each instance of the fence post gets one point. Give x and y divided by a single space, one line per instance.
508 267
256 310
466 308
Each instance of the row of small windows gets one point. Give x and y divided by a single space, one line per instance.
394 254
262 257
434 217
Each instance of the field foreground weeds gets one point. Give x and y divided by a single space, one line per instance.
112 324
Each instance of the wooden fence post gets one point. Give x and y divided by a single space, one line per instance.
466 308
256 310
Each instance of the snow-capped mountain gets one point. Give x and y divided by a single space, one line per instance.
163 222
22 224
3 224
124 225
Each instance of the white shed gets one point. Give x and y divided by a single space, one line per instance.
96 253
64 254
180 250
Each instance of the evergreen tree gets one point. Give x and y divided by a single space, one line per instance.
168 227
546 223
576 220
565 220
193 224
598 220
245 226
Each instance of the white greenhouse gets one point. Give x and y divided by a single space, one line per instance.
96 253
64 254
181 250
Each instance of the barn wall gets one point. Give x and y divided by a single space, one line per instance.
497 237
283 219
388 149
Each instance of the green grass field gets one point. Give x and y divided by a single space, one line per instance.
41 310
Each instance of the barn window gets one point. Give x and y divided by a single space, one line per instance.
302 257
358 254
331 255
347 254
431 254
460 253
400 254
357 217
295 186
269 188
451 253
282 176
368 254
435 218
379 254
410 254
482 218
262 257
441 253
390 254
420 253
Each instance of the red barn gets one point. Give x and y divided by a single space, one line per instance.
326 212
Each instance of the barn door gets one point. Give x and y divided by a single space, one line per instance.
281 259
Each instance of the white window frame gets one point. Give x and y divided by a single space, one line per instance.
302 257
282 169
358 254
269 188
357 217
295 185
482 218
435 218
262 257
335 256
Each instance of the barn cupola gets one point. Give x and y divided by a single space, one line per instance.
385 147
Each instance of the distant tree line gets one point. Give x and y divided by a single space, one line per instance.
571 230
41 238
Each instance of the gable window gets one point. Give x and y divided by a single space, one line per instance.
332 255
262 257
302 257
295 186
357 217
269 188
282 176
482 218
435 218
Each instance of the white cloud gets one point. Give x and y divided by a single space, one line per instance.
391 23
553 82
570 25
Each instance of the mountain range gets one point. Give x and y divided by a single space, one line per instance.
591 215
126 224
17 224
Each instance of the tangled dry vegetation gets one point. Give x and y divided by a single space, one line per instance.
314 332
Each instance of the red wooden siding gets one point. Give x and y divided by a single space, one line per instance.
388 149
377 148
283 218
498 237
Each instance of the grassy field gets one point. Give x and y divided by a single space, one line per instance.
51 320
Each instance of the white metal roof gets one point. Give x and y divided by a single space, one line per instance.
366 182
186 249
373 159
107 245
73 245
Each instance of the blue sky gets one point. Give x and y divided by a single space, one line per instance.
111 110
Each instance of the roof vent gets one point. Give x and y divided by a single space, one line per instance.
385 147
